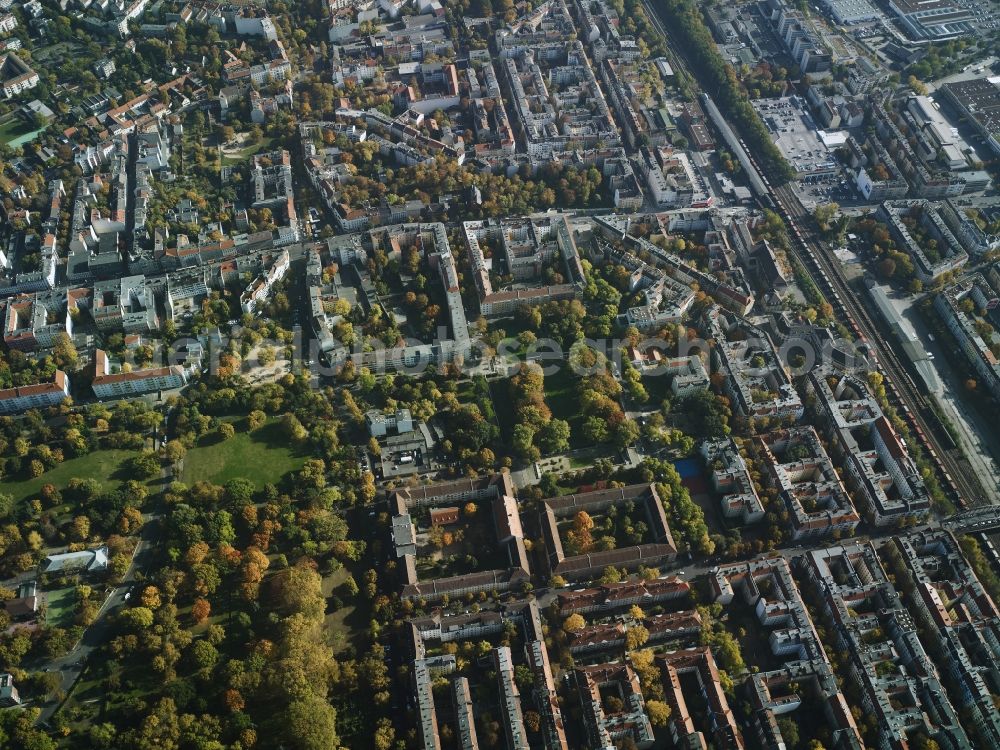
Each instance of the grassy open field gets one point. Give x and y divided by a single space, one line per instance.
345 623
261 456
61 603
562 398
231 158
500 394
15 131
105 466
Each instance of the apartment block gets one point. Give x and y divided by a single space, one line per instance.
960 619
698 664
659 548
663 299
153 147
526 247
33 322
40 277
805 681
510 700
255 295
546 85
430 632
431 241
878 464
878 177
807 49
727 287
8 692
800 686
798 467
465 717
187 289
38 396
961 307
900 686
496 493
926 179
606 726
117 385
966 230
938 251
127 304
756 380
730 478
15 75
767 586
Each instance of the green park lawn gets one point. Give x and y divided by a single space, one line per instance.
500 393
562 397
14 128
103 466
346 623
262 456
236 157
561 393
61 603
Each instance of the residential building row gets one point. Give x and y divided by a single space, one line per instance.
806 677
525 619
962 307
610 597
899 684
879 467
122 384
526 247
37 396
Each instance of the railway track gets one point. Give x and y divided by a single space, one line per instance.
956 474
957 477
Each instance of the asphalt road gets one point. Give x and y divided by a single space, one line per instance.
694 570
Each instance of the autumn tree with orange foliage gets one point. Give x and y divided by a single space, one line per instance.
252 570
200 610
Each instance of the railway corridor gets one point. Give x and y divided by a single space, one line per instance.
959 477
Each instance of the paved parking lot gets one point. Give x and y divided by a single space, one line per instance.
836 189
